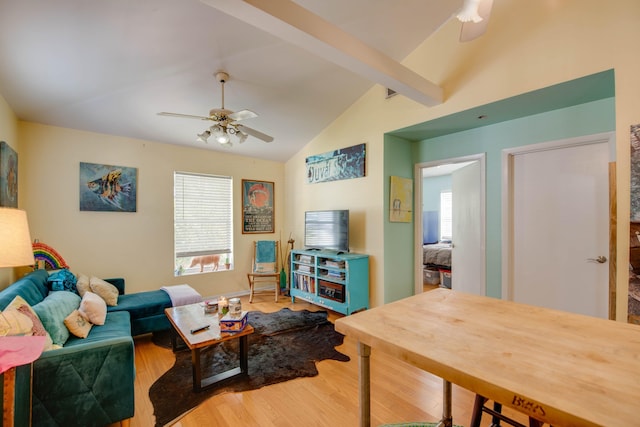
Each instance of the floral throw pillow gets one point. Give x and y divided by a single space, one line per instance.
19 319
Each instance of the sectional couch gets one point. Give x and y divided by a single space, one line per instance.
89 381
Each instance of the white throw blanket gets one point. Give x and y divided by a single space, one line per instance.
182 294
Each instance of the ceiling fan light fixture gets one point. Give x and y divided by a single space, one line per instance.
225 121
202 137
469 11
223 138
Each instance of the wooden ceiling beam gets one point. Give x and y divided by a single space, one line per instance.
299 26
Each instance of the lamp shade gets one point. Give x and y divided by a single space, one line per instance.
15 240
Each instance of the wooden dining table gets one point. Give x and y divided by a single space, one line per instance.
561 368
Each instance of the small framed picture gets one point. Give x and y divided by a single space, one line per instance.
257 207
8 176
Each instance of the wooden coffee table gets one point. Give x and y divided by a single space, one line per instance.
189 317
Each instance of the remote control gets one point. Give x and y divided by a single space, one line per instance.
193 331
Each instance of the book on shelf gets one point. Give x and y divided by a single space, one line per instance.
305 283
304 268
334 264
304 258
336 274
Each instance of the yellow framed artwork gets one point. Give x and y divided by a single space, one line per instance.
400 199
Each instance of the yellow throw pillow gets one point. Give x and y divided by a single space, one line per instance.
105 290
82 285
18 318
77 324
93 308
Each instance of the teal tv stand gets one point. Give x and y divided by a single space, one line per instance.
339 282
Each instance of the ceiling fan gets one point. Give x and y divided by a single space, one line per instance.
474 16
226 121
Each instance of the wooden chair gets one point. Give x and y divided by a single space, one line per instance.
264 266
496 414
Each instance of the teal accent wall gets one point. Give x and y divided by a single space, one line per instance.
398 236
580 120
431 189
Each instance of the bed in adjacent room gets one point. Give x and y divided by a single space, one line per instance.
437 255
436 262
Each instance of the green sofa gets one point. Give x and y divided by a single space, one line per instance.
89 381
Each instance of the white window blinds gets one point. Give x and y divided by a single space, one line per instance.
203 214
446 215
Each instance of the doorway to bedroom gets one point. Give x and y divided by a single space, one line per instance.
450 225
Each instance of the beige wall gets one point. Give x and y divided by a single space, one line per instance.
529 45
137 246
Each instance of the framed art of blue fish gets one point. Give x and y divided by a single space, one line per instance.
107 188
8 176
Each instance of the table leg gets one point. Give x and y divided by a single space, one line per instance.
364 351
196 369
200 384
447 419
244 355
9 402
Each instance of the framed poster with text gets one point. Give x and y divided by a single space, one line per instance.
257 207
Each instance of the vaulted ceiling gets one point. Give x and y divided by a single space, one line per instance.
110 66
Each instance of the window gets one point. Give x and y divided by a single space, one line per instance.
446 215
202 222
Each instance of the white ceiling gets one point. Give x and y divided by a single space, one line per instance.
110 66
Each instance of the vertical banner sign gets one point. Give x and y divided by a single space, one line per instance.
345 163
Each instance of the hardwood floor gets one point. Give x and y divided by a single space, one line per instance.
399 392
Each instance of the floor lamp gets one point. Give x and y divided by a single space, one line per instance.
15 251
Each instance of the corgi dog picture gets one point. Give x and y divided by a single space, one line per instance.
205 260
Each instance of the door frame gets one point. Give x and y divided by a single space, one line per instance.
507 201
417 174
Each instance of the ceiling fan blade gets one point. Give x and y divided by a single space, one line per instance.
472 30
184 116
242 115
255 133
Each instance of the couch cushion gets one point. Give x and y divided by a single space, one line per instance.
52 311
18 318
94 378
106 291
77 324
93 308
116 325
143 304
32 288
82 284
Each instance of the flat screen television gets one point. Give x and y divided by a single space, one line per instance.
327 230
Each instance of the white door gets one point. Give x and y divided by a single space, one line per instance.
560 217
467 256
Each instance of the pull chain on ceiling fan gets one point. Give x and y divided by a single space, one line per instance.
225 121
